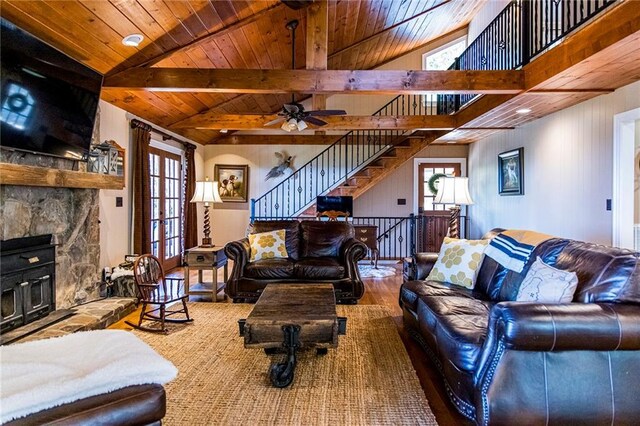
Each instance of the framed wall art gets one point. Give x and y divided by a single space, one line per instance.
233 182
511 172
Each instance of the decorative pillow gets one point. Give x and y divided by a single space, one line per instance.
547 284
459 261
268 245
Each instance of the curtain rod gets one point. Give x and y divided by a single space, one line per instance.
165 136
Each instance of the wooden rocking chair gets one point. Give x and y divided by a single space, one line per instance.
155 290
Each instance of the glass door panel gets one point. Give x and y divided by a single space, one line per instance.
166 230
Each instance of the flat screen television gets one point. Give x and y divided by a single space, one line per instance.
48 100
337 203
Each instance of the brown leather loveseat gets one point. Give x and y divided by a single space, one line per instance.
508 362
319 251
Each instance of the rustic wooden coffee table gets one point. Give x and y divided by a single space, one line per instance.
293 316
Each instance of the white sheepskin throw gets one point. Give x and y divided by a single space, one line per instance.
46 373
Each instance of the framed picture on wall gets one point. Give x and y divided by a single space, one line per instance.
511 172
233 182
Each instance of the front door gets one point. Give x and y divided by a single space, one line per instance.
166 201
434 218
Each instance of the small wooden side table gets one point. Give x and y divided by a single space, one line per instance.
368 234
204 259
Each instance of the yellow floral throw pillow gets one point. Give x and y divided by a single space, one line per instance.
459 262
268 245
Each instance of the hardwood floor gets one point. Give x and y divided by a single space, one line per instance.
384 291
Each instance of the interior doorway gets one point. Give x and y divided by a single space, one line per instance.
626 167
434 218
165 171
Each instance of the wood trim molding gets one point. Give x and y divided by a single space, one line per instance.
18 174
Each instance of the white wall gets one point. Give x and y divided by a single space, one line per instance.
636 163
567 172
116 222
229 220
485 15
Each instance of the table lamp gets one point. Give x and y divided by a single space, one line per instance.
453 190
206 192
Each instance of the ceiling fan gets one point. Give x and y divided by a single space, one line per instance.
293 116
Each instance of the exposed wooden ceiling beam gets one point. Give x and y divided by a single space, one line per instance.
318 81
612 26
288 139
318 46
343 122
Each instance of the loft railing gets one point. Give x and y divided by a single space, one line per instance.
337 163
523 30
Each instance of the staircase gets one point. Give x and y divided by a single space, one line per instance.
350 166
375 171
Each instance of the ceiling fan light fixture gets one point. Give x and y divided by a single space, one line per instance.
289 125
301 125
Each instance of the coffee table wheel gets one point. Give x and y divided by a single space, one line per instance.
270 351
282 374
322 351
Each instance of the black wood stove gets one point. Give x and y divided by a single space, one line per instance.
27 280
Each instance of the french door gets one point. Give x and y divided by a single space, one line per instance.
435 218
166 201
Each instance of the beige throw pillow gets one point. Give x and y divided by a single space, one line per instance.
268 245
459 261
546 284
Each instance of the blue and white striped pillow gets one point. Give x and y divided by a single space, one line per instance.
509 253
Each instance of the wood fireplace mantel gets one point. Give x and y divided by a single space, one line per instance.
18 174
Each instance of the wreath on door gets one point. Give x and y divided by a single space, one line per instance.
433 182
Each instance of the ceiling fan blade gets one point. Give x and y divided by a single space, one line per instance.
277 120
328 112
291 108
315 121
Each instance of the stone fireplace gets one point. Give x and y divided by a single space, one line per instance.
69 214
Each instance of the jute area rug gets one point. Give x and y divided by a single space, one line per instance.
367 380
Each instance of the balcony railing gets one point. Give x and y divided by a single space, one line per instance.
523 30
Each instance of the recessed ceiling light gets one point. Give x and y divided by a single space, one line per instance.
523 111
224 130
133 40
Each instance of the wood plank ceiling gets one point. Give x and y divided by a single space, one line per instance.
227 34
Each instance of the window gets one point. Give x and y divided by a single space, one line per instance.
426 172
441 59
17 106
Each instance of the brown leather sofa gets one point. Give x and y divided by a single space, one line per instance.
319 251
507 362
131 406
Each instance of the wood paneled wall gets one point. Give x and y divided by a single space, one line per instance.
567 172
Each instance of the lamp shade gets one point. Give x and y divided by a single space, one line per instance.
453 190
206 192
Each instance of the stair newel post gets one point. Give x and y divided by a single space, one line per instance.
252 213
346 161
412 233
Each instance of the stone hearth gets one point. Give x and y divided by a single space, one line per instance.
71 215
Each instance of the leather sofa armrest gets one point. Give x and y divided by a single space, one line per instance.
422 265
239 251
353 250
573 326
